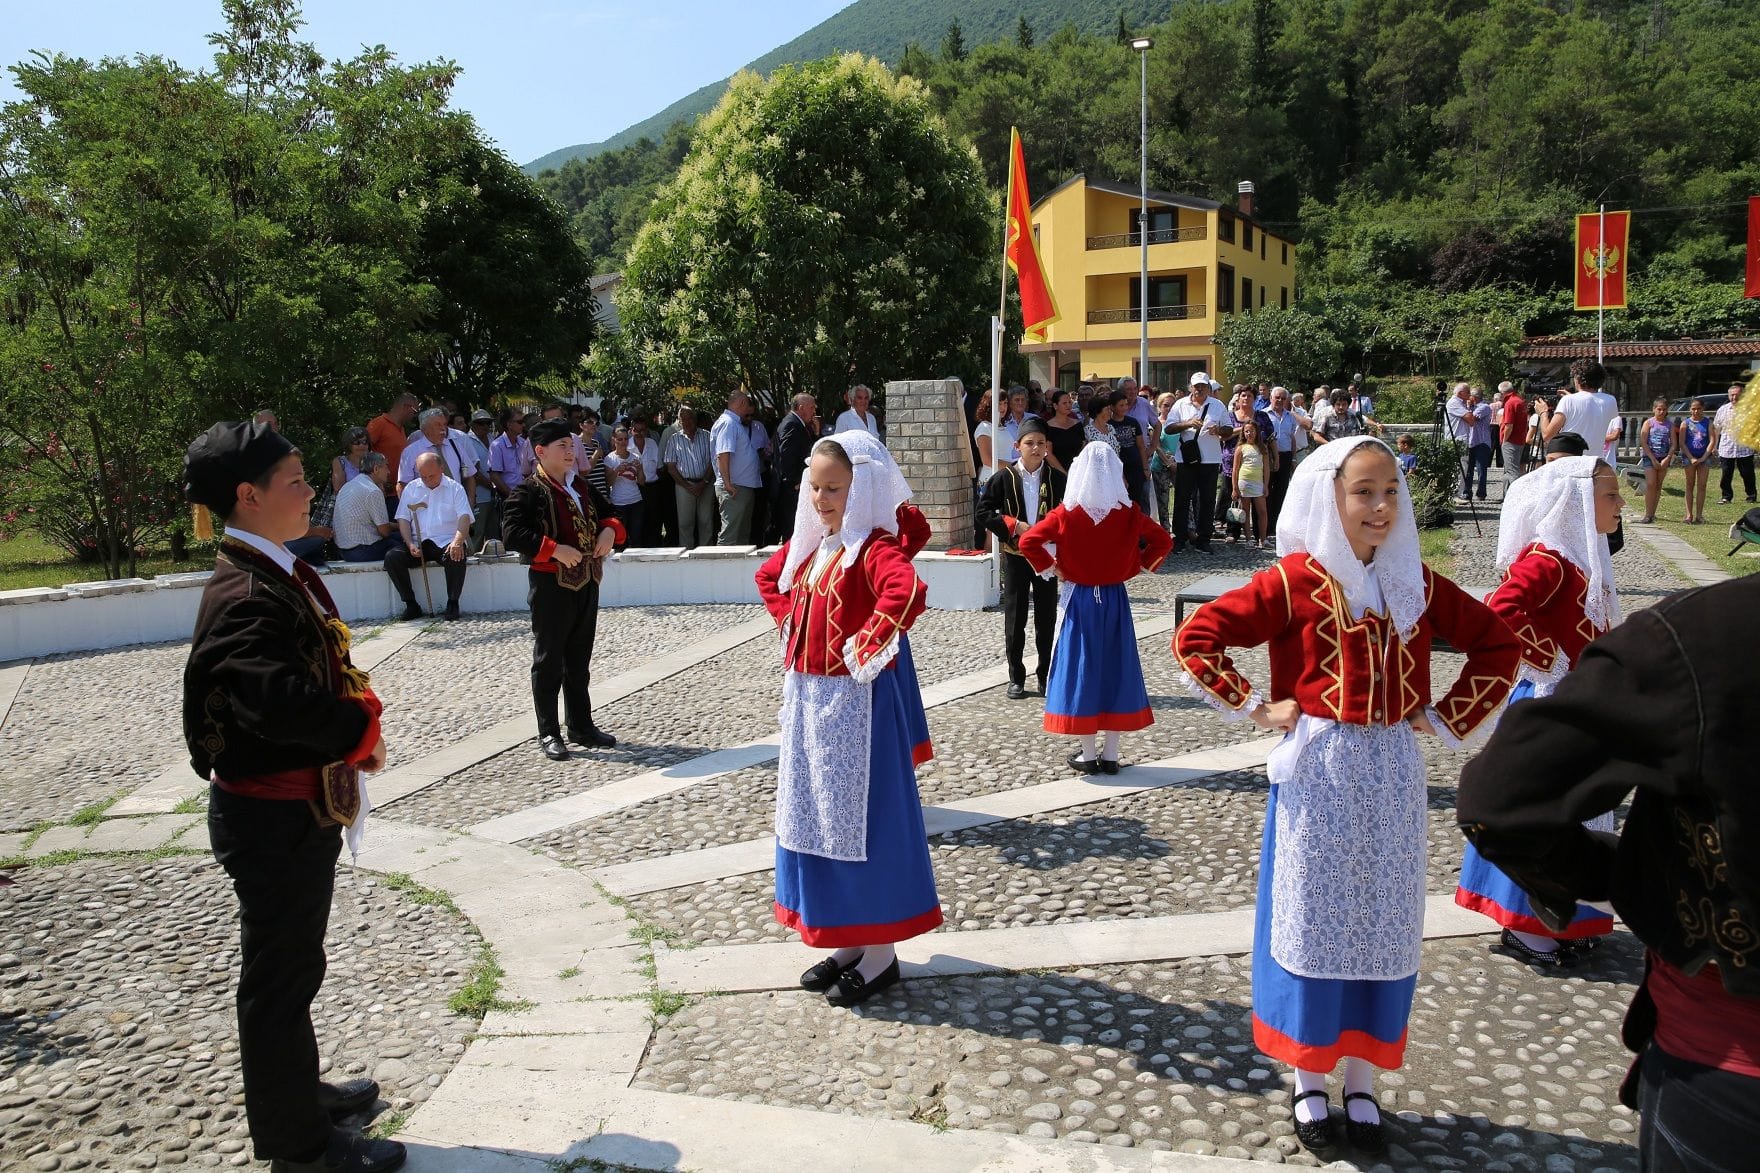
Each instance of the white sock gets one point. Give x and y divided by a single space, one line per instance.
1359 1076
1313 1109
1087 740
1536 943
875 959
846 956
1111 752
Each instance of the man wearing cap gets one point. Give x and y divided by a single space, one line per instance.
434 520
563 527
1202 424
1013 501
281 724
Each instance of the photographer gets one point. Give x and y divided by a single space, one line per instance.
1202 424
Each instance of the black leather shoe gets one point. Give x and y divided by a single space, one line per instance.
823 976
345 1099
853 989
451 611
1318 1135
348 1153
411 611
1368 1138
1109 765
1079 766
553 748
1016 692
593 736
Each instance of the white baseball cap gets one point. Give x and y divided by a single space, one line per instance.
1201 377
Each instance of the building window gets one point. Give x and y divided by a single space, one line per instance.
1283 298
1224 289
1225 227
1163 291
1261 297
1261 246
1246 295
1286 254
1247 234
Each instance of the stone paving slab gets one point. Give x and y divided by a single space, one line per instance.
756 855
1699 569
114 835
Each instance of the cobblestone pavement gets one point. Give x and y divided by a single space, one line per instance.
116 1009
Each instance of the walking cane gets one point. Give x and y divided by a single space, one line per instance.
422 548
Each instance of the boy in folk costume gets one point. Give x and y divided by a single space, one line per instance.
852 857
563 526
282 724
1349 611
1012 502
1097 541
1558 596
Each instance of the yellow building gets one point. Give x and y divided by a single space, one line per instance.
1206 261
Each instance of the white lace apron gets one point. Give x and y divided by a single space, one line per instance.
822 778
1348 873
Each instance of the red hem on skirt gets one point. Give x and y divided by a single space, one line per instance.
921 752
838 936
1599 926
1351 1044
1096 722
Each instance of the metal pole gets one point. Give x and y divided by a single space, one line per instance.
1601 287
1143 228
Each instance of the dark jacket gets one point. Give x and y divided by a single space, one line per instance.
1664 705
261 688
536 514
794 443
1001 501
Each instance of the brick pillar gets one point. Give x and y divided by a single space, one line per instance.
926 434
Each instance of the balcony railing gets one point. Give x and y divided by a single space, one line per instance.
1159 236
1157 313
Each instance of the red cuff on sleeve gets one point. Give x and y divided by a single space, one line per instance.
546 550
370 739
619 535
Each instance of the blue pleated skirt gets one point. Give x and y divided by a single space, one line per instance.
890 896
916 718
1312 1023
1096 681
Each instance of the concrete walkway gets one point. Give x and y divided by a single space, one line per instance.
1699 570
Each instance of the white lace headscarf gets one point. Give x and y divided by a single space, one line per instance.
1096 482
1310 524
876 490
1555 506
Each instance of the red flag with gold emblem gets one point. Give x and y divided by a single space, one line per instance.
1038 306
1601 255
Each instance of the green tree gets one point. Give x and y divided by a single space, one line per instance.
953 43
1023 32
825 230
1278 346
1486 346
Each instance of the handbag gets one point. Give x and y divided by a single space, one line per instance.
1237 515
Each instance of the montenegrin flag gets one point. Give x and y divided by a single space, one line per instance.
1601 256
1753 287
1038 306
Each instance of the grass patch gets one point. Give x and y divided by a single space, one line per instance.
92 815
572 971
388 1125
195 804
1711 538
28 561
934 1115
418 893
73 855
663 1004
482 993
1435 546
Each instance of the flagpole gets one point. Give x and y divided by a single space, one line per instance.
997 328
1601 289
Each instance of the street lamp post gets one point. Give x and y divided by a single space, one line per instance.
1142 45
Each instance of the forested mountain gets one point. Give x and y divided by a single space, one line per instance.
1429 154
882 28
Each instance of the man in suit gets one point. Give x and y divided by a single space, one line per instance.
795 436
1013 500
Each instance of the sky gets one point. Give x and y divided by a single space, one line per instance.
537 74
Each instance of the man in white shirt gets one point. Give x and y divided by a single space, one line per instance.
739 471
1732 454
1587 411
858 415
433 509
1460 421
690 462
456 462
364 532
1202 423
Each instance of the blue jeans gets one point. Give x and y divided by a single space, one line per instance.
372 552
1695 1118
309 550
1478 461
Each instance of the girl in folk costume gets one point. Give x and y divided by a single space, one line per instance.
1557 595
852 857
1097 541
1349 611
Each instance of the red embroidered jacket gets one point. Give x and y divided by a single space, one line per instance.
913 530
1544 599
878 597
1353 671
1125 543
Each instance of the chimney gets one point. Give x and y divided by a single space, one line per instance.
1245 203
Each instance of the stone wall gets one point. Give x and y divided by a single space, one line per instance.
925 431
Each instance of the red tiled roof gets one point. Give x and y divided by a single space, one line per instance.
1557 348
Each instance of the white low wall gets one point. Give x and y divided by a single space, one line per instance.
40 621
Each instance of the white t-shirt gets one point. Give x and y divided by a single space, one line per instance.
849 421
625 490
1588 414
1184 411
1005 451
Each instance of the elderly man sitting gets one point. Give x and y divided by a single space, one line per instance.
363 531
433 509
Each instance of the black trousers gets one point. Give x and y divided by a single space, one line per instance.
1194 487
1732 465
283 868
1693 1118
635 522
788 499
399 561
1278 488
662 513
564 623
1019 587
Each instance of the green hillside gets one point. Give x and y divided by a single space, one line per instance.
882 28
